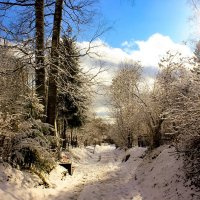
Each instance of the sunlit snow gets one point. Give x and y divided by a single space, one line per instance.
101 173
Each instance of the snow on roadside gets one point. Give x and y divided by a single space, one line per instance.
15 184
161 176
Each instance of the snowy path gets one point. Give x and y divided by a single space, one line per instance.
89 172
103 176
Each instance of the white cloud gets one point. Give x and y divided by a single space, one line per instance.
101 50
101 54
152 50
149 53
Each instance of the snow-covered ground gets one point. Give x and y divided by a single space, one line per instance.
104 173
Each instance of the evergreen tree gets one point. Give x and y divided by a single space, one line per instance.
72 93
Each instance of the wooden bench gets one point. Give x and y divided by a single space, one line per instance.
67 166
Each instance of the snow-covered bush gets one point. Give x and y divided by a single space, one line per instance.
26 142
30 147
33 107
192 160
178 89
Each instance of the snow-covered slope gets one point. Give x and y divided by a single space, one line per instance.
160 176
104 173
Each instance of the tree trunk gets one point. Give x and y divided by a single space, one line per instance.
52 87
63 134
39 53
71 137
157 134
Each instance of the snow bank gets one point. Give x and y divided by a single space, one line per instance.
15 184
11 176
160 176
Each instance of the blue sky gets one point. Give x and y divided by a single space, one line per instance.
141 19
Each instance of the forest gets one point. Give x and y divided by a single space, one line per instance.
48 116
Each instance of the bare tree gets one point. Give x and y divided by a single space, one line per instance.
145 111
124 100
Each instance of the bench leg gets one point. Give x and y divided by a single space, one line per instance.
70 169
